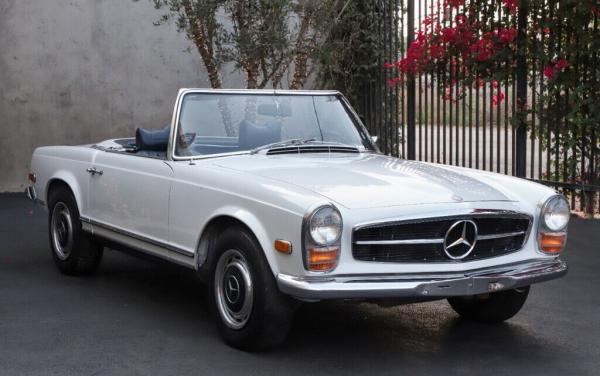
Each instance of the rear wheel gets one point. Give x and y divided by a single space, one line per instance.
73 251
490 308
251 313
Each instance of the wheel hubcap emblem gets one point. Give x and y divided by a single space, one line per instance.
232 289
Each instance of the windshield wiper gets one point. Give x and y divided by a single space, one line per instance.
293 141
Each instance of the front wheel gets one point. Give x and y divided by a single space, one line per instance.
252 314
73 251
491 308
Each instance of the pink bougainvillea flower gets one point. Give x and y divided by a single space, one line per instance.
448 34
389 65
561 64
460 19
482 49
392 82
498 98
549 72
436 51
507 35
454 3
495 84
511 5
596 10
546 30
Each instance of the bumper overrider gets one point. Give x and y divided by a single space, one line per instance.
418 285
32 195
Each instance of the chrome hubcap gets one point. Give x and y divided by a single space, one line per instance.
61 230
233 289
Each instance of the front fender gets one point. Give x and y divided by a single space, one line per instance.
282 225
252 222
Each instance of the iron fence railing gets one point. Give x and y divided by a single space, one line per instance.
416 120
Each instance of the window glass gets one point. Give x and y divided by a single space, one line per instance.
222 123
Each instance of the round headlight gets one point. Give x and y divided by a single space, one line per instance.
325 225
556 213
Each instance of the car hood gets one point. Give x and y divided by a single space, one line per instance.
367 180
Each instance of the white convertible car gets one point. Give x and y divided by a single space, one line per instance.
278 197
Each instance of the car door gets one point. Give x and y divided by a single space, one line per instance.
130 194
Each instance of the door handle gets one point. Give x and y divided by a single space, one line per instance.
94 171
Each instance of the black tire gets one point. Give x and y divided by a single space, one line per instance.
490 308
267 320
74 252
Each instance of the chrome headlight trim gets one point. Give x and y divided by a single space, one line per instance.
311 218
544 229
551 204
307 239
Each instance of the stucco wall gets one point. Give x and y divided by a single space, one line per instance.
78 71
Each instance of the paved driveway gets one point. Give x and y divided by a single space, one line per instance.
138 316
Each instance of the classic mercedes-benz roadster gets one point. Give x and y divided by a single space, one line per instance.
281 197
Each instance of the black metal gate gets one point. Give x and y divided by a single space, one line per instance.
478 129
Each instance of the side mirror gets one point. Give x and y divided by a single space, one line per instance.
374 139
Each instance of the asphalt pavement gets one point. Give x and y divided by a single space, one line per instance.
144 317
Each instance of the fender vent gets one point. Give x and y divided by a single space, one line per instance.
306 149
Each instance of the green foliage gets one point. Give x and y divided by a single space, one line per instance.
555 43
567 32
351 54
260 37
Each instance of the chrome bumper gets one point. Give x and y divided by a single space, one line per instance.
30 192
32 195
472 282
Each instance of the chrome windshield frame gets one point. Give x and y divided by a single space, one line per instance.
364 134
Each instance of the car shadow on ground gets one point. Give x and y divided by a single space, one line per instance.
337 333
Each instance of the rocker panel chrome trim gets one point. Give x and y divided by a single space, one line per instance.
138 242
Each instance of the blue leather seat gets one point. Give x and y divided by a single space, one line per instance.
151 140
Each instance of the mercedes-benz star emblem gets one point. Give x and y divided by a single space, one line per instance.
460 239
232 290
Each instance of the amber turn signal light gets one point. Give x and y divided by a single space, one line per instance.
283 246
322 259
552 243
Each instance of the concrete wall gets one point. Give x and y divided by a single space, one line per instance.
79 71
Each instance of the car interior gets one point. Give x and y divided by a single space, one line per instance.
265 129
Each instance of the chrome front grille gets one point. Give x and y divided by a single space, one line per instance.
423 240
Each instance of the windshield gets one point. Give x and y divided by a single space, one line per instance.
212 123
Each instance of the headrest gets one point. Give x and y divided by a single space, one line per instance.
146 139
272 109
253 135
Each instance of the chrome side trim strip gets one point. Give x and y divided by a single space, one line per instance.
92 226
405 241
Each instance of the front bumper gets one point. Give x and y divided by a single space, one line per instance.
30 193
472 282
